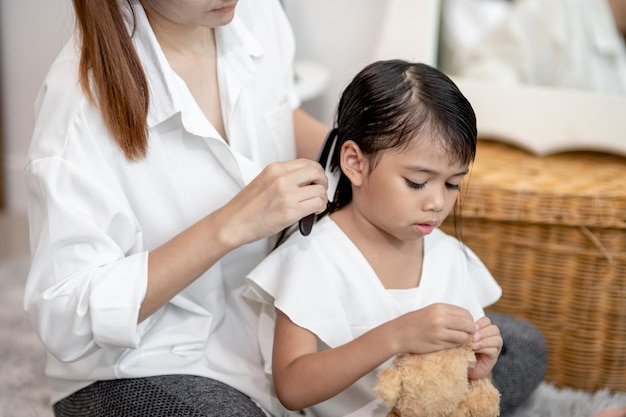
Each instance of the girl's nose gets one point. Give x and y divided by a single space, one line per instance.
436 200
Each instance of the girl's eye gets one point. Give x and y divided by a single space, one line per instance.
414 185
419 186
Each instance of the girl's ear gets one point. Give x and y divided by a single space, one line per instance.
354 164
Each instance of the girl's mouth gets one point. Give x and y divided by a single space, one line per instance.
225 9
424 228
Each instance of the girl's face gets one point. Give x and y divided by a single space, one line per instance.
409 191
207 13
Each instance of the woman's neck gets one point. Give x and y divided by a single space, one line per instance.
192 53
180 39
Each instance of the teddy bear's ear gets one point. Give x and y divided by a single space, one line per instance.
388 386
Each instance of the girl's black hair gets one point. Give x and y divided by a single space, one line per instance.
388 103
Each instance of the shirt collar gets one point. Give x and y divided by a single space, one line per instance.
234 43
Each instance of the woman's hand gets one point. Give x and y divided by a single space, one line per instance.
278 197
282 194
487 346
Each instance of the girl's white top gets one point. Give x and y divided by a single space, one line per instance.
325 285
94 216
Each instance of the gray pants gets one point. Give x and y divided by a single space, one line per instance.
522 363
520 369
158 396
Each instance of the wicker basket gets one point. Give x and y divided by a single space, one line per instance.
552 230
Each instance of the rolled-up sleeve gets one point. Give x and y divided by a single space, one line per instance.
89 271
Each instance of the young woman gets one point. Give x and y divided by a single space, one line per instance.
163 157
376 277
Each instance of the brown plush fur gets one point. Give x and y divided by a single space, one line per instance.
436 385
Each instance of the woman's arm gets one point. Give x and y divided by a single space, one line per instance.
309 133
304 377
88 268
283 193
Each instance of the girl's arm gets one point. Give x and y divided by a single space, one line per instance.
304 377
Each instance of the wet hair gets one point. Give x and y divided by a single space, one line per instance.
389 103
111 74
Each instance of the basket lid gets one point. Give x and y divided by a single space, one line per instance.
575 188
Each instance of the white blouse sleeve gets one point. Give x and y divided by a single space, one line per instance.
300 281
88 274
487 289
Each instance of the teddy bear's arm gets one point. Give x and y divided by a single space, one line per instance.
388 386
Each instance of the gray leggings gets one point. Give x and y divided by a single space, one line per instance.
522 363
158 396
520 369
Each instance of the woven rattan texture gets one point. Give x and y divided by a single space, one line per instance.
552 230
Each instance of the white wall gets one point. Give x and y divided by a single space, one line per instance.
33 31
345 35
338 34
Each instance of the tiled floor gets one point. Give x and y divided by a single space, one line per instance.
13 235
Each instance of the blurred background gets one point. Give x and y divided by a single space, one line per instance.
563 43
551 72
31 34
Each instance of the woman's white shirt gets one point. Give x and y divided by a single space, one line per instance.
94 216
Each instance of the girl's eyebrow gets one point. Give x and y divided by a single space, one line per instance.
433 172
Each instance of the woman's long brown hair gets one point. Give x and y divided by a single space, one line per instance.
111 74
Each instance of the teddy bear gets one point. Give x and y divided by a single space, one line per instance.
436 385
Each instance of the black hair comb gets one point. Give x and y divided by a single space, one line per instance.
306 223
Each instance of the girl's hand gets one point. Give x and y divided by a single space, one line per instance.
282 194
487 346
430 329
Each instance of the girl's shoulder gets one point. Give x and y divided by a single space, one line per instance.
440 244
325 248
440 240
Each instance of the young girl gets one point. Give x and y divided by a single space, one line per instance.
376 277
